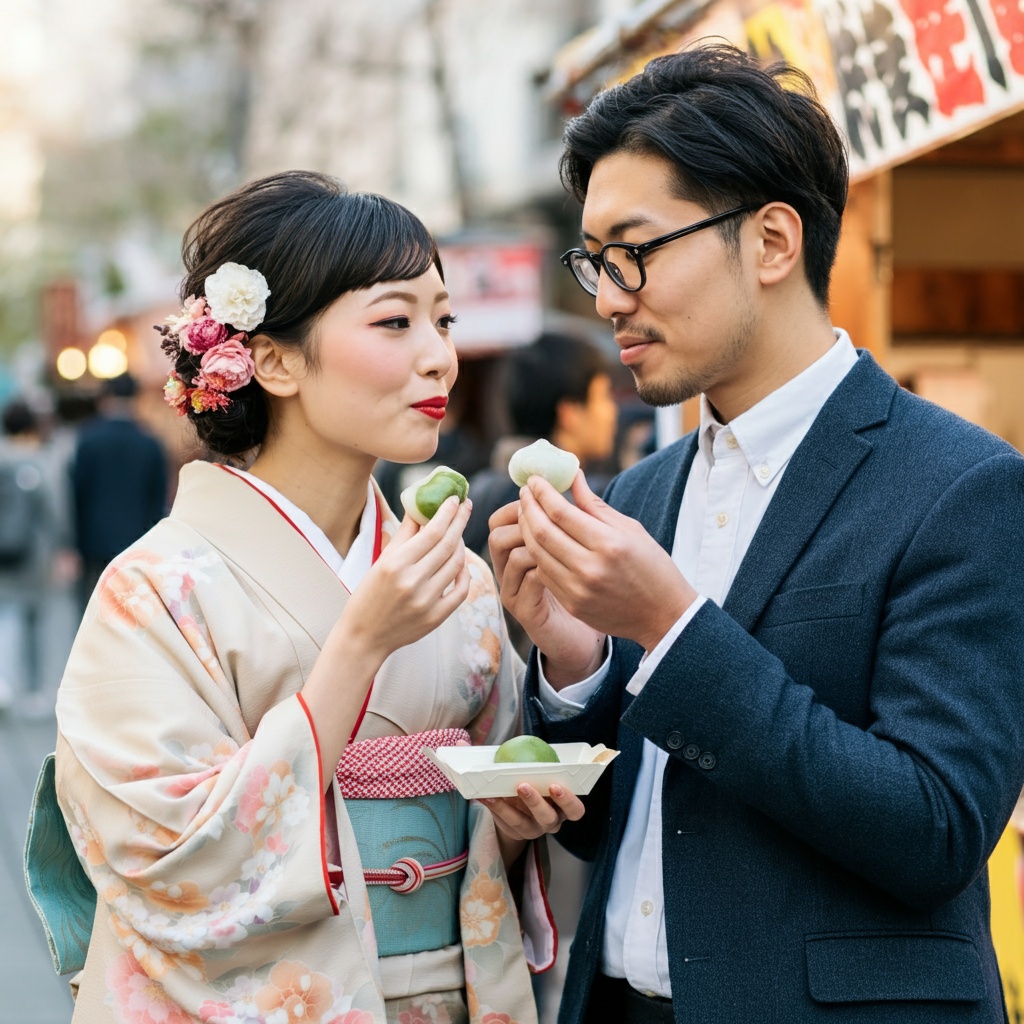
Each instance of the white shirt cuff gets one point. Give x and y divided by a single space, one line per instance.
571 699
652 659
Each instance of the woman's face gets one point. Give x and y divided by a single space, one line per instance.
385 366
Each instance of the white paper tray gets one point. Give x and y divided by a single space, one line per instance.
474 773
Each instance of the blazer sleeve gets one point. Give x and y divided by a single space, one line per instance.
916 802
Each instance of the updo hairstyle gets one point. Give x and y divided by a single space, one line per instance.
312 240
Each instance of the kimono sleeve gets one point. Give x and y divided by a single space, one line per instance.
196 835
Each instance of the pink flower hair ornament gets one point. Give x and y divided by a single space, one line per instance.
238 299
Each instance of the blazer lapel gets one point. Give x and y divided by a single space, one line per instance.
216 504
659 511
819 470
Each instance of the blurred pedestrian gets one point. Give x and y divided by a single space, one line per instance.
559 388
30 536
120 481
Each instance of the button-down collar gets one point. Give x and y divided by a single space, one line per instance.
769 433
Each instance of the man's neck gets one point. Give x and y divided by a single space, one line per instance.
777 353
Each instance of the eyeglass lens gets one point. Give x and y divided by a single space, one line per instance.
623 267
585 271
620 263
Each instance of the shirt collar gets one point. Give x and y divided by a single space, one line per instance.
769 433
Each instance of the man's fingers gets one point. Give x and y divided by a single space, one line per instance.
575 523
505 516
502 541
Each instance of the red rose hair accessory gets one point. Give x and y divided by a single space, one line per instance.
235 296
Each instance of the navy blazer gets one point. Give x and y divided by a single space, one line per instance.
846 734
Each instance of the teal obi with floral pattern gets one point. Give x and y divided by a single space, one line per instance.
431 830
412 829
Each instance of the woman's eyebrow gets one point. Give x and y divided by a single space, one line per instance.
404 296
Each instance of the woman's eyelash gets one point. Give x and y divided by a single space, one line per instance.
447 321
396 322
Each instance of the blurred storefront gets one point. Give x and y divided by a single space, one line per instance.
930 270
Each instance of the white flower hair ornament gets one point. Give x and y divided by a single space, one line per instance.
236 296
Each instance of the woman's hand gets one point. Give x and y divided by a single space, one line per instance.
529 815
417 582
406 594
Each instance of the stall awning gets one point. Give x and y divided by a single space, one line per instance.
900 77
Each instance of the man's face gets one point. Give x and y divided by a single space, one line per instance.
690 325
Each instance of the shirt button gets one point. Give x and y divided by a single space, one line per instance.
706 761
692 752
722 518
730 440
647 908
674 740
763 471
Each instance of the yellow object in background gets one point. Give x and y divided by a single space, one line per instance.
1008 920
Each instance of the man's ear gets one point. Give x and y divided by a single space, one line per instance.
780 234
278 368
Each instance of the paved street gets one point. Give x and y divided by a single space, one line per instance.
32 993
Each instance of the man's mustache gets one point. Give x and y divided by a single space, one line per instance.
635 329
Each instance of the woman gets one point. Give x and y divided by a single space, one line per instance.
226 660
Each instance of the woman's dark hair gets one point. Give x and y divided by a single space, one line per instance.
737 133
554 368
312 240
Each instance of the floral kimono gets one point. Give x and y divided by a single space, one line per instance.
188 771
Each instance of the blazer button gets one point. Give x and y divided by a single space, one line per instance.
674 740
707 761
692 752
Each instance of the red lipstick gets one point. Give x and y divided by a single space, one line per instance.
433 407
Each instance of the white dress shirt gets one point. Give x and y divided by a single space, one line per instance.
734 475
356 564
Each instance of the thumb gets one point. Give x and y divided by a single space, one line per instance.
587 501
406 531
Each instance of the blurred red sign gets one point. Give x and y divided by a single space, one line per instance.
496 293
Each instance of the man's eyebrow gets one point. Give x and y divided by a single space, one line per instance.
618 229
404 296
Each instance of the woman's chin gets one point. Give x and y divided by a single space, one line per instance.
410 450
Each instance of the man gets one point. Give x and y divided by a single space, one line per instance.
813 605
120 482
558 388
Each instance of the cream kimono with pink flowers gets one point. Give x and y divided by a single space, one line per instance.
188 772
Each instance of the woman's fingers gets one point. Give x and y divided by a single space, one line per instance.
512 820
530 815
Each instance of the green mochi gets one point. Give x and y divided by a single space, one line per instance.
432 493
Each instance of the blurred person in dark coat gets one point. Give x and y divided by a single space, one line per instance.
34 537
560 389
120 481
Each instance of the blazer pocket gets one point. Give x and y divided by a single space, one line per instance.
839 600
893 966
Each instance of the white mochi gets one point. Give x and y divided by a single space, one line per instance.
543 459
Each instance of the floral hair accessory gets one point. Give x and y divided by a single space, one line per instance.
237 297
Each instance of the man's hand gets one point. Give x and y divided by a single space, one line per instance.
572 650
529 815
600 566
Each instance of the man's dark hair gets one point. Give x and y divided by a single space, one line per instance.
737 133
555 367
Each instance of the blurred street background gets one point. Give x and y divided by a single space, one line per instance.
121 119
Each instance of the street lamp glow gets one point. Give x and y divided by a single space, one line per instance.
106 361
115 338
71 363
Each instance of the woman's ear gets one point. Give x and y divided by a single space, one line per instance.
781 241
278 368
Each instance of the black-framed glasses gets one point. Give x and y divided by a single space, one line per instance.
623 262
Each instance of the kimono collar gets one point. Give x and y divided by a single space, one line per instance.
250 532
